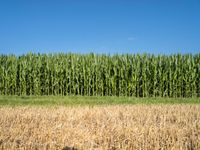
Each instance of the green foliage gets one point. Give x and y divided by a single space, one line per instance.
130 75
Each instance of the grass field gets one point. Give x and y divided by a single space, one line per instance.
110 127
87 100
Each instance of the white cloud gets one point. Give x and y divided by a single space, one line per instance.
131 38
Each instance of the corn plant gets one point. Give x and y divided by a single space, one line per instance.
136 75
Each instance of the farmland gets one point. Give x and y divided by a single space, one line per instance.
96 101
101 127
132 75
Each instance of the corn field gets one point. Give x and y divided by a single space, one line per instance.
137 75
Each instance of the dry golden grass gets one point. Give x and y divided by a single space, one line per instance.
101 127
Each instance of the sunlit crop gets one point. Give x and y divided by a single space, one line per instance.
103 75
103 127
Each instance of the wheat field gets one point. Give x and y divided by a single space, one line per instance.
100 127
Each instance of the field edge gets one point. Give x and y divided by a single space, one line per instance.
88 100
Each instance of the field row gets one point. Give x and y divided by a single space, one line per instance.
141 75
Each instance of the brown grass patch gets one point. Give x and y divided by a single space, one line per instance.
102 127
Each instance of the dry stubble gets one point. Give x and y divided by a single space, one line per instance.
101 127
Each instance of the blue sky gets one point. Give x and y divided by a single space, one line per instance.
100 26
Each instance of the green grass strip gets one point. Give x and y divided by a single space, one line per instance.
87 100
